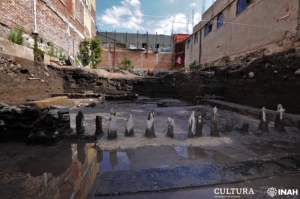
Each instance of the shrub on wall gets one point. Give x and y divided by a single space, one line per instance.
16 35
51 52
90 52
38 53
194 66
126 63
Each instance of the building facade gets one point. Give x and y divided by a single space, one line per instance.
65 23
179 49
235 30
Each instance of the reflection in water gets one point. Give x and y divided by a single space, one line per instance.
67 172
190 152
81 152
114 161
99 156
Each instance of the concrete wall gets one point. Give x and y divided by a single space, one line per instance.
265 26
140 59
54 18
9 48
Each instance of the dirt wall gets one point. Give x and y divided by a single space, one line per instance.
267 81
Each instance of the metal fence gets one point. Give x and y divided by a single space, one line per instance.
134 38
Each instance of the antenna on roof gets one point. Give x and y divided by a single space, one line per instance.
203 6
193 16
187 24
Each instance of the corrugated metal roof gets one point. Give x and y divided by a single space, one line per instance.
134 38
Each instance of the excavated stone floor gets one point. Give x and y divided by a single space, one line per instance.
78 169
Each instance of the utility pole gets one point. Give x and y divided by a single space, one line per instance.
147 46
137 39
114 61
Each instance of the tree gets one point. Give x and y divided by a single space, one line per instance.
127 63
91 52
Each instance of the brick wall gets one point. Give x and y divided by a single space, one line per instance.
52 19
140 60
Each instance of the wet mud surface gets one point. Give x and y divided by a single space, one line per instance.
183 176
77 169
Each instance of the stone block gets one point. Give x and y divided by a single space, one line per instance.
62 109
64 117
53 113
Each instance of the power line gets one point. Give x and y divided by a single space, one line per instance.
251 25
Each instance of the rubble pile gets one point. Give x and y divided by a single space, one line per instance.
23 122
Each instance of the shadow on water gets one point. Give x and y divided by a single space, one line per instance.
190 152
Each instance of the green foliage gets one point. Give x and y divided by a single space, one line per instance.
126 63
96 51
91 52
194 66
16 35
38 53
62 56
51 52
84 50
77 61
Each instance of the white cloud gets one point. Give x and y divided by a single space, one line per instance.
193 4
171 1
166 25
129 15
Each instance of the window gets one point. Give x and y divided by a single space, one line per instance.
188 44
220 20
241 5
196 38
207 29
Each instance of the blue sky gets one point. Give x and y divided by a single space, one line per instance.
148 15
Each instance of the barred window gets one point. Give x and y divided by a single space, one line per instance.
241 5
207 29
188 43
220 20
196 38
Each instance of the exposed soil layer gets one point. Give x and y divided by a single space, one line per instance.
274 82
267 81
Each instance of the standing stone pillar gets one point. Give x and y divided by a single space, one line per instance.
79 123
263 124
199 126
278 124
170 132
99 130
192 125
129 127
245 128
214 124
150 132
112 126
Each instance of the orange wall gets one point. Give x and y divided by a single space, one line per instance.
140 60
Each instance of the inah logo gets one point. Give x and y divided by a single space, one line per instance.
272 192
282 192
